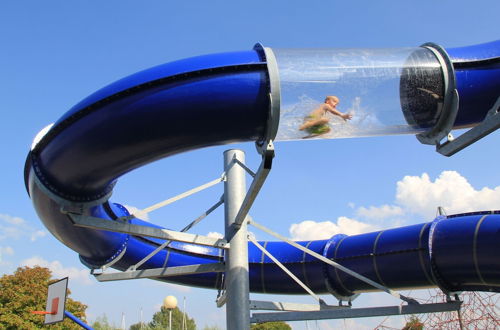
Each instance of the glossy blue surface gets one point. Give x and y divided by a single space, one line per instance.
477 71
478 52
151 124
165 70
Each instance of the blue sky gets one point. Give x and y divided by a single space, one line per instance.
55 53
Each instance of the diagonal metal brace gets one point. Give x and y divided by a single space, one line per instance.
257 183
174 199
128 228
286 270
183 230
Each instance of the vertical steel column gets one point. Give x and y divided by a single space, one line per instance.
236 278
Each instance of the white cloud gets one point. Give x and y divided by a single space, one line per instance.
5 251
59 271
380 212
421 196
137 212
215 234
37 234
11 220
312 230
450 190
10 232
12 227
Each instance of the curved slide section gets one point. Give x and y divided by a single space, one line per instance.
225 98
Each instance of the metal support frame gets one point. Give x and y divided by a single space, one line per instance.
490 124
122 225
336 265
128 228
161 272
286 306
355 312
299 312
237 202
183 230
236 258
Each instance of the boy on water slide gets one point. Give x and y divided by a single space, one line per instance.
316 123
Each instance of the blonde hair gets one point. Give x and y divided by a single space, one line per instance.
332 97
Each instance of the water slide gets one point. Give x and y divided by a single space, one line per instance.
264 95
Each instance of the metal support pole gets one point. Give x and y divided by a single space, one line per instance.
237 286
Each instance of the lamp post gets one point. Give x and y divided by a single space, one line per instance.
170 302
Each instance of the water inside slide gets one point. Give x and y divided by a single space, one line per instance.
261 95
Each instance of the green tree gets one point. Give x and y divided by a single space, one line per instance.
271 326
26 291
161 320
414 324
139 326
102 323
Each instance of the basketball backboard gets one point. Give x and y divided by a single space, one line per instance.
56 301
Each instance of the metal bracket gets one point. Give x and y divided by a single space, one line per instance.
221 301
257 183
490 124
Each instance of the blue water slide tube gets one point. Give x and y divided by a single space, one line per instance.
477 70
225 98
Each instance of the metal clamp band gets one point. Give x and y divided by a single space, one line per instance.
93 265
66 202
274 94
450 104
438 279
336 288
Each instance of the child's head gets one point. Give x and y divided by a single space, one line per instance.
332 99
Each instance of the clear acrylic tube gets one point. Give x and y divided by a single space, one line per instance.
379 92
